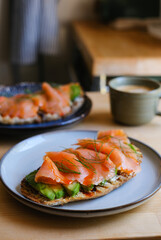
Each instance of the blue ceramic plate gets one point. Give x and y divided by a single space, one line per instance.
77 116
27 156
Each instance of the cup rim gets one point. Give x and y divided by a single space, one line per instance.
136 78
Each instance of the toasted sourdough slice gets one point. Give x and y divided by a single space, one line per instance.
51 103
42 117
98 191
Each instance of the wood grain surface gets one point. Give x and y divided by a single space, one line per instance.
20 222
113 52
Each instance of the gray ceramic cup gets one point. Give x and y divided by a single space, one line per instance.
134 108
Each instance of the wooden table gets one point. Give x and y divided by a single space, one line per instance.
23 223
110 52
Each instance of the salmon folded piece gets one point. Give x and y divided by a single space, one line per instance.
118 139
69 166
121 155
56 102
49 173
5 104
100 167
39 100
117 134
20 106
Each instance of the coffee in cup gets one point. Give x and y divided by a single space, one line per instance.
134 88
133 100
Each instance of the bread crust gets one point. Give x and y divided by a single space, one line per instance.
99 191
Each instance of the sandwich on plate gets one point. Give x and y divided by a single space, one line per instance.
50 103
89 169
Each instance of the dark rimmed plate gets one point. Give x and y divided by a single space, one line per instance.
31 151
77 116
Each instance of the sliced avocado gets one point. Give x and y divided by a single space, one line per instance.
58 190
30 178
87 188
44 189
75 91
72 189
109 180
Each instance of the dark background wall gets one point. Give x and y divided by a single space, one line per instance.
111 9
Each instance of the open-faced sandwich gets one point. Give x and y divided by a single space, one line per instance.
93 169
51 103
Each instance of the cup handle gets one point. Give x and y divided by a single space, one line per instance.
158 113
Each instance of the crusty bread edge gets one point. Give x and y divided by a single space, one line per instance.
31 194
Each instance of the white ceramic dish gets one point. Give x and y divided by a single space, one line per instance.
27 156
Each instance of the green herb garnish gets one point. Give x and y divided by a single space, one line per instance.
132 147
63 168
103 182
75 91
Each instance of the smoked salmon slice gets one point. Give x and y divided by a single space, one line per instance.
49 173
100 167
56 101
118 139
119 134
69 166
116 154
18 107
82 165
